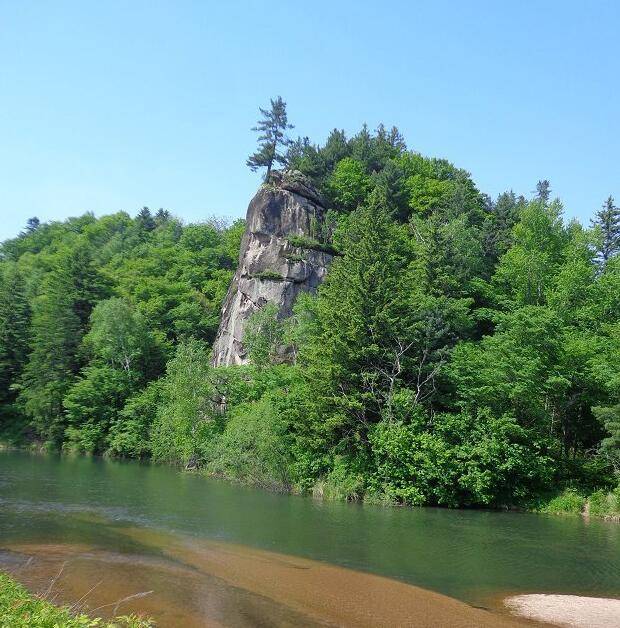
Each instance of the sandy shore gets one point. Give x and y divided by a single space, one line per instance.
567 610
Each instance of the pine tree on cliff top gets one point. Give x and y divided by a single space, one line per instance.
272 127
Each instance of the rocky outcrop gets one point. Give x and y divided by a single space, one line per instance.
280 257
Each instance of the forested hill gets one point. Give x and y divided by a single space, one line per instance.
462 350
91 310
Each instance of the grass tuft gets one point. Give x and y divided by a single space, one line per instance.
21 609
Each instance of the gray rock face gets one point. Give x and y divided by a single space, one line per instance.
271 269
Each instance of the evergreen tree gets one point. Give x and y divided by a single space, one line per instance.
52 364
608 221
14 330
272 127
32 224
145 220
162 216
543 191
502 216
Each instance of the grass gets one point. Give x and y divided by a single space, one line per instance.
604 504
268 275
293 257
304 242
21 609
568 501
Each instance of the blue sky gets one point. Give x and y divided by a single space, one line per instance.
114 105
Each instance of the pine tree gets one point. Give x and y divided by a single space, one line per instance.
14 328
162 216
32 224
145 219
52 364
273 138
608 220
543 191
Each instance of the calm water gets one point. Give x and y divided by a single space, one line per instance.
470 555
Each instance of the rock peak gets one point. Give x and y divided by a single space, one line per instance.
280 257
296 182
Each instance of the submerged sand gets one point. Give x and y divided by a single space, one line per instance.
567 610
202 583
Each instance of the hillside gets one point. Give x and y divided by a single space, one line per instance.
461 350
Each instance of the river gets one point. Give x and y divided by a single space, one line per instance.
198 551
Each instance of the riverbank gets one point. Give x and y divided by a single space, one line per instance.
21 609
567 610
601 504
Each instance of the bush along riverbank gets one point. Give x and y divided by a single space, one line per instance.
21 609
601 503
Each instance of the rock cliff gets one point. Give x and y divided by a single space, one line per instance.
280 257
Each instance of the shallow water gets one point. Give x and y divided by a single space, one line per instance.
80 509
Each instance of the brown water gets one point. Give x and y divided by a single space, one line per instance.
203 552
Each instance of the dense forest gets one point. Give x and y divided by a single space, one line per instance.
463 350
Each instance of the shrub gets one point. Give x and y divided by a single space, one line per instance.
253 448
130 432
264 335
342 483
304 242
568 501
605 503
186 417
268 275
293 257
459 459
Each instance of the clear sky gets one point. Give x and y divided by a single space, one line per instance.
114 105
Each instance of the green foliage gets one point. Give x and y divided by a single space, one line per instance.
461 350
20 609
305 242
457 459
605 504
609 417
254 447
129 433
92 404
293 257
120 337
264 336
90 309
14 347
188 413
344 482
269 275
600 503
349 184
607 224
124 355
569 501
52 364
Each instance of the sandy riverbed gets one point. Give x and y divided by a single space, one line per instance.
202 583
